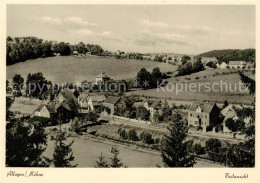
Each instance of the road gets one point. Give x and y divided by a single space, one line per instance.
114 120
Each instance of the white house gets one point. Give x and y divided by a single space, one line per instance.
223 65
237 64
95 102
102 77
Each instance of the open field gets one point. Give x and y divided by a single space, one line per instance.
209 85
86 151
72 69
25 105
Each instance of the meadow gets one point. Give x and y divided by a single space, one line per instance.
68 69
215 85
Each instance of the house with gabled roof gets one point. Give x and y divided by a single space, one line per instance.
65 95
83 100
55 111
45 110
203 114
114 103
102 78
155 108
95 102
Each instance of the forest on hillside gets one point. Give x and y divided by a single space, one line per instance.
20 49
231 55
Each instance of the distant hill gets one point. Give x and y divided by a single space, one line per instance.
231 55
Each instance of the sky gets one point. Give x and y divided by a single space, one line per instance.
184 29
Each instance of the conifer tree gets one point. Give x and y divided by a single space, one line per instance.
63 155
174 148
101 163
115 161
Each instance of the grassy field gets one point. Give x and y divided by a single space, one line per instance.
222 87
72 69
87 150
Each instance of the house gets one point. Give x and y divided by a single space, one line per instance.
75 52
114 103
206 60
95 102
203 114
66 95
102 78
60 112
63 112
223 65
237 64
83 100
155 107
45 110
230 112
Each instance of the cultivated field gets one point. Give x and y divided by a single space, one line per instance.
72 69
195 87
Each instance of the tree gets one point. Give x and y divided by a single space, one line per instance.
91 116
101 163
142 113
185 59
213 147
62 48
231 125
63 155
36 85
156 77
175 149
115 161
146 137
197 66
25 145
132 135
143 78
18 84
225 104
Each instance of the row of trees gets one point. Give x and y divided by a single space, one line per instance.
20 49
187 68
146 80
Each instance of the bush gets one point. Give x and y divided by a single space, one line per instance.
205 76
146 138
157 140
209 128
198 149
132 135
219 128
123 134
197 78
217 73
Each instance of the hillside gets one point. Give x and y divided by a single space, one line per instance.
72 68
231 55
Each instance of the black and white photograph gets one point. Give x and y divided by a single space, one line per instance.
129 86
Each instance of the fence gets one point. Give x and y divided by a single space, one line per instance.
132 120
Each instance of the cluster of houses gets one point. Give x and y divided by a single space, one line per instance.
203 114
231 64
